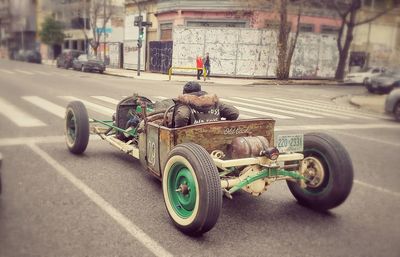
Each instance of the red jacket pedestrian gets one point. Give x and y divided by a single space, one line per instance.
199 65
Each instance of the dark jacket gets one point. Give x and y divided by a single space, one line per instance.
199 107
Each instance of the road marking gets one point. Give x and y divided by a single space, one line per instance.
7 71
107 99
46 105
42 72
123 221
19 117
272 109
342 109
280 110
92 106
261 113
367 138
329 109
338 127
23 72
381 189
303 108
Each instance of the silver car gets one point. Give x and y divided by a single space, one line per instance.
384 83
392 104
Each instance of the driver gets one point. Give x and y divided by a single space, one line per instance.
195 106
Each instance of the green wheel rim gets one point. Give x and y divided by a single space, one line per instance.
71 127
182 190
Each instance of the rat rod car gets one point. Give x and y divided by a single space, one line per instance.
200 163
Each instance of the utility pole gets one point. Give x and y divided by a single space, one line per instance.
84 26
104 30
141 26
139 44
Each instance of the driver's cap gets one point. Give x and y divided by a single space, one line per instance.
191 87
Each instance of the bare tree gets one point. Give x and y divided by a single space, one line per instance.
99 10
347 11
285 47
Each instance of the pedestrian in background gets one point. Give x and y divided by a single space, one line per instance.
199 65
207 65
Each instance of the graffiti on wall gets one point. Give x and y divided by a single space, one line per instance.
253 52
160 56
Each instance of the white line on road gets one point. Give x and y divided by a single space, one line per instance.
42 72
339 109
19 117
334 127
46 105
381 189
23 72
95 107
272 109
123 221
107 99
7 71
367 138
268 114
37 140
285 104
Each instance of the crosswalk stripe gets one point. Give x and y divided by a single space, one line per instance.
336 127
327 105
326 109
278 116
264 114
107 99
92 106
7 71
284 111
46 105
19 117
303 108
23 72
42 72
342 109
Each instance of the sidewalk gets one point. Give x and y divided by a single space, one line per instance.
217 80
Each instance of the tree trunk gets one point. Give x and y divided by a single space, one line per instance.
282 41
344 51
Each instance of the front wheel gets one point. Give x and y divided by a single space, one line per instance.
328 170
76 127
192 189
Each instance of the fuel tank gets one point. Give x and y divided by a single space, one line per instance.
244 147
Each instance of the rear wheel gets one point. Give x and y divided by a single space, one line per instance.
76 127
192 189
329 173
83 69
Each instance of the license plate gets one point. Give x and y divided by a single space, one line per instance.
290 143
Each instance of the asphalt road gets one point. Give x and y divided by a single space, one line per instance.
103 203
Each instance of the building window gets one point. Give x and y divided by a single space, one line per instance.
166 31
305 27
225 24
326 29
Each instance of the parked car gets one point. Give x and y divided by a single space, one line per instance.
32 56
384 83
64 60
88 63
364 76
392 104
